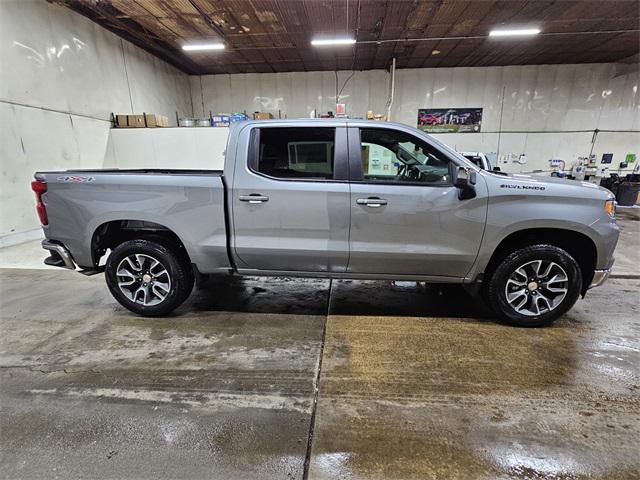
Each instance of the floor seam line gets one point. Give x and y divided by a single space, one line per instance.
307 458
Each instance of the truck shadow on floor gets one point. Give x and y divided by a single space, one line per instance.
348 297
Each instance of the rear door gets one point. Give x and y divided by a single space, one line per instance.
406 217
290 200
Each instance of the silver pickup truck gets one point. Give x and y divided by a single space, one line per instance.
336 199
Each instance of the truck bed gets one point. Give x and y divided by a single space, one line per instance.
192 202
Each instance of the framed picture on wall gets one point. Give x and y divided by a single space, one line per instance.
450 120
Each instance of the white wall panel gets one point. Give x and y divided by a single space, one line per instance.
183 148
294 94
61 76
156 87
60 60
549 111
33 139
54 58
619 144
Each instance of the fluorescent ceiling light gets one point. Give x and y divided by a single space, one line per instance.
334 41
514 32
203 46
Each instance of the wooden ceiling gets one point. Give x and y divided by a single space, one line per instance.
275 35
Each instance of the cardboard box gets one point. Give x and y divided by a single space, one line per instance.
153 120
141 121
262 116
136 121
121 121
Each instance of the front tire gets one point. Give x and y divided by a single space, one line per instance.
149 278
535 285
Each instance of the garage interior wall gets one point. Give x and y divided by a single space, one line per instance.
547 111
62 76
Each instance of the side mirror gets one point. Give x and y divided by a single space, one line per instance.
462 177
497 169
465 181
465 177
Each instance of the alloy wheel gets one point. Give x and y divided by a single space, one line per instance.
537 287
143 279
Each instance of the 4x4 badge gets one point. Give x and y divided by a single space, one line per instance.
76 179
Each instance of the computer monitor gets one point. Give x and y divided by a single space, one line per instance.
607 157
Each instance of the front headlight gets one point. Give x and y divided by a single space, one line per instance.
610 208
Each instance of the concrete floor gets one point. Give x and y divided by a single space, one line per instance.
628 250
429 397
415 381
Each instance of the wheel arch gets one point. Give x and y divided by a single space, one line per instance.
578 245
110 234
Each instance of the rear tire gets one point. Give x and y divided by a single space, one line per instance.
150 278
535 285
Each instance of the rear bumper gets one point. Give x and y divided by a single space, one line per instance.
599 277
59 255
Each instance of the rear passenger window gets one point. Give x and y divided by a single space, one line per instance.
296 153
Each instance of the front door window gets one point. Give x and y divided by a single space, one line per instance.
395 157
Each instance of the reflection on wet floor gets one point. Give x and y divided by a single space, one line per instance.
404 299
348 297
260 295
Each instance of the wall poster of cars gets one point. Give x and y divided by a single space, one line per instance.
450 120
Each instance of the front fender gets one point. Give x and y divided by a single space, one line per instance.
584 216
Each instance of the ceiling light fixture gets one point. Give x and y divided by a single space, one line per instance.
203 46
514 32
333 41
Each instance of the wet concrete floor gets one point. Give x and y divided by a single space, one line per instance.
627 252
415 382
430 397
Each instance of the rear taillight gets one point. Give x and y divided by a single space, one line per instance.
39 187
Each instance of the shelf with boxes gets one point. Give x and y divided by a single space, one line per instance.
217 120
146 120
150 120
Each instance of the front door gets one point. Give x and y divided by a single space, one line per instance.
406 217
290 203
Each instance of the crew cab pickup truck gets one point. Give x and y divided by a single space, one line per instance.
338 199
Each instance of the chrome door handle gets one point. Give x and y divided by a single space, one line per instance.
373 202
254 198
